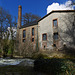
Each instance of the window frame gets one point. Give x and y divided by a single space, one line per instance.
32 40
23 41
46 37
57 22
23 33
32 31
23 38
33 36
53 36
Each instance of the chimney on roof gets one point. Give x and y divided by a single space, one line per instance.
19 16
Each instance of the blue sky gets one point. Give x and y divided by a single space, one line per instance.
38 7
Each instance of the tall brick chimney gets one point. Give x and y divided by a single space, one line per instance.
19 24
19 16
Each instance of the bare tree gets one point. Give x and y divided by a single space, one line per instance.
29 17
3 14
6 20
26 49
11 24
67 33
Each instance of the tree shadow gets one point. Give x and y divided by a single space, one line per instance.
67 35
52 66
70 51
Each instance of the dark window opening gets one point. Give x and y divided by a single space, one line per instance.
54 45
44 37
32 39
24 33
55 36
32 31
44 47
55 23
23 40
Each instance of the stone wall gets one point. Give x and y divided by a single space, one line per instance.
29 36
65 21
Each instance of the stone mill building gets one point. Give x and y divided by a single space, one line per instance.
54 30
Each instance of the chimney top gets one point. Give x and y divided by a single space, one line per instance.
20 6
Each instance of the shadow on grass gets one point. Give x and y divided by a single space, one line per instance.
53 66
69 51
18 70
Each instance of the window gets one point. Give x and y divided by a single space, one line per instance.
32 31
44 47
33 35
24 36
44 37
23 40
55 36
24 33
32 39
55 23
54 45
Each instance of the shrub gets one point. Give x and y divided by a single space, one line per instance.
0 51
70 51
52 66
9 52
39 56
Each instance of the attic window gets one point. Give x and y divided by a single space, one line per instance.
55 24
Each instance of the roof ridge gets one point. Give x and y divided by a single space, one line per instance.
56 11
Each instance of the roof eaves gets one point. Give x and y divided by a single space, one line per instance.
56 11
28 26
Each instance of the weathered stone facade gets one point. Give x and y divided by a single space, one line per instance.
52 31
29 34
65 21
